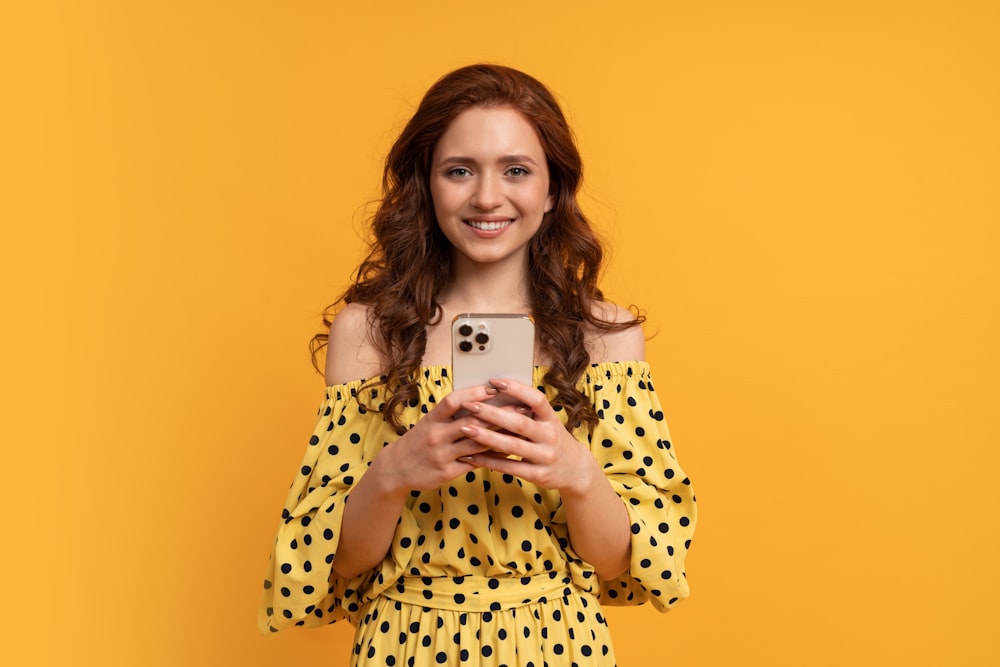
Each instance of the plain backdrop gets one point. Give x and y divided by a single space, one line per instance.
801 195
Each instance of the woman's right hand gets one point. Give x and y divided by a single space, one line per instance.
427 455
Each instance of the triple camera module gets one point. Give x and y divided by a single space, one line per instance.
473 339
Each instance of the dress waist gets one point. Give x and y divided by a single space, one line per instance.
480 594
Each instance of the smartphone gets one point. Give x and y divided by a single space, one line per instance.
488 346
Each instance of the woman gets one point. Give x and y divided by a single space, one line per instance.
451 550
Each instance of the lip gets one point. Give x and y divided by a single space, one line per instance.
502 224
488 218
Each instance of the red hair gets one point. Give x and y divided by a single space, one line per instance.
409 259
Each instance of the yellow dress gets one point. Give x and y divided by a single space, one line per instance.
481 570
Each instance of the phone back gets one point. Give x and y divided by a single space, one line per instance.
490 345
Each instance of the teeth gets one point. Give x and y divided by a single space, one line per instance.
489 226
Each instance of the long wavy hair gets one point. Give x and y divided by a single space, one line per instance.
409 259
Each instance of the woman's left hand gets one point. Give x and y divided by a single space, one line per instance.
549 456
553 459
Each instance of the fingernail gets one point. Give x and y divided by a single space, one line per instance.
472 407
468 430
499 384
492 390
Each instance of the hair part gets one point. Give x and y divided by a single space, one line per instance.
409 259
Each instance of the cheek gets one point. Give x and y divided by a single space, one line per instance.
439 202
445 197
435 194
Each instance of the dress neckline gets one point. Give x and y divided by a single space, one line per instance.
434 372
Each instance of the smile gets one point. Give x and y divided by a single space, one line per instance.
489 226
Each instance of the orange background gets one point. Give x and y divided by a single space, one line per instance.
803 196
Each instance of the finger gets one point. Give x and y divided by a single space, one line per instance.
528 396
509 420
471 420
500 463
467 447
452 403
486 458
502 443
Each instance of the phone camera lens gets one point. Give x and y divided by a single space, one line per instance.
482 338
465 346
465 330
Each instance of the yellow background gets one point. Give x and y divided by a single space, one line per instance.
802 195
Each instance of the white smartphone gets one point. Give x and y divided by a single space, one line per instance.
488 346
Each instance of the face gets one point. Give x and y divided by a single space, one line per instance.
490 185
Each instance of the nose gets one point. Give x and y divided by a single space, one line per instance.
487 195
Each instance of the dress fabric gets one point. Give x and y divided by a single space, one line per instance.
481 570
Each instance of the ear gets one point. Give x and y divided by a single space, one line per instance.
550 202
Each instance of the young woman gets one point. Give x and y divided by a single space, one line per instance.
409 516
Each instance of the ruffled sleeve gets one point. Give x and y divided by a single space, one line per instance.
633 445
300 587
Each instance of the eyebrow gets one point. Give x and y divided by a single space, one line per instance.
506 159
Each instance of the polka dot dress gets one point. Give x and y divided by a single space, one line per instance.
481 570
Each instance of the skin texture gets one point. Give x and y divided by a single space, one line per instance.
488 166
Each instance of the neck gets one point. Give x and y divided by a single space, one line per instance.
497 287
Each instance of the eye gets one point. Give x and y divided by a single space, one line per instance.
458 172
517 171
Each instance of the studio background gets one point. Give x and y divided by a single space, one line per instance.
801 195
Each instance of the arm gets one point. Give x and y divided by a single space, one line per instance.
425 457
550 457
370 517
624 345
598 524
596 517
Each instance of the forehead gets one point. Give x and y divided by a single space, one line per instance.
482 131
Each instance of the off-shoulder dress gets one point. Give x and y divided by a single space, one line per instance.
481 570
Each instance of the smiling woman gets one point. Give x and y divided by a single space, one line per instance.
478 532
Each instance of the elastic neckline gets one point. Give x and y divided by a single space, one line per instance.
603 369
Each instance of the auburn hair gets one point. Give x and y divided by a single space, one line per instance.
409 259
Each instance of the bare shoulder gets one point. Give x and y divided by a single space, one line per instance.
351 354
627 344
